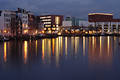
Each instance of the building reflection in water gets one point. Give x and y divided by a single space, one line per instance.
84 46
25 51
43 49
53 47
66 46
76 45
36 47
101 52
108 45
95 49
100 45
57 52
5 52
49 50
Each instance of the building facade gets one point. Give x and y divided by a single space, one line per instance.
74 20
16 22
7 19
51 22
67 23
83 23
23 18
105 21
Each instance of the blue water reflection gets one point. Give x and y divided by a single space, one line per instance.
62 58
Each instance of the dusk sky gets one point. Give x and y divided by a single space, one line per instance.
79 8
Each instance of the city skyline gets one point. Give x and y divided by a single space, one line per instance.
72 7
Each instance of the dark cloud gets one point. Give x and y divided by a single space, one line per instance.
78 8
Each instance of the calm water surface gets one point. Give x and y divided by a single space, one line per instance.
62 58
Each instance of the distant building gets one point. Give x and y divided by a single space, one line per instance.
105 21
67 23
51 22
83 23
73 20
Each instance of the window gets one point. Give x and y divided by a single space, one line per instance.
57 20
46 20
6 15
7 20
47 25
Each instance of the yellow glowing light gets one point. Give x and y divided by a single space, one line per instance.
36 31
5 31
66 31
90 32
61 44
44 28
93 41
57 28
43 48
26 26
49 47
5 52
76 44
25 51
57 52
86 32
49 31
84 45
59 33
43 31
53 28
25 31
66 46
36 42
57 20
53 46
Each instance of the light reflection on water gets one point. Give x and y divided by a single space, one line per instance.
5 52
94 52
101 47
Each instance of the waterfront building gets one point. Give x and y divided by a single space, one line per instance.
17 22
51 22
23 16
105 21
7 19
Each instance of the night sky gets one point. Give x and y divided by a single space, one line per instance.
78 8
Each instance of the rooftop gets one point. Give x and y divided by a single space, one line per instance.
100 14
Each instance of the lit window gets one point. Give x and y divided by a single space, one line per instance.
57 20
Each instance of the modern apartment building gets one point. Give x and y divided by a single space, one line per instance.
51 23
105 21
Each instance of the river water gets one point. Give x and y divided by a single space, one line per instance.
62 58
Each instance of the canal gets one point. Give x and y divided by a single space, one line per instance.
62 58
